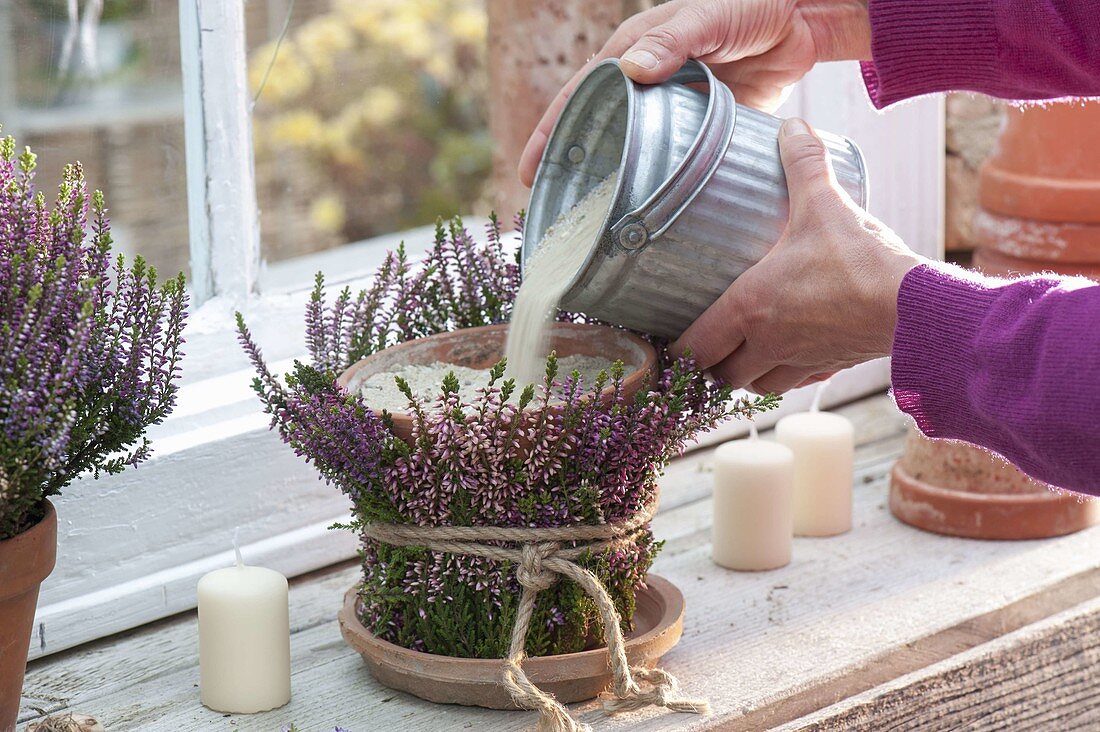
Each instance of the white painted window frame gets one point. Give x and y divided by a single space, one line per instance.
223 216
132 546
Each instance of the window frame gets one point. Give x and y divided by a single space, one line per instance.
132 546
223 213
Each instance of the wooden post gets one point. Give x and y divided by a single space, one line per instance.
535 46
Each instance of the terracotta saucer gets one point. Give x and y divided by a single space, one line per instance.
959 490
481 348
573 677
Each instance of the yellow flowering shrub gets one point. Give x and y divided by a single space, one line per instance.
288 76
327 213
372 116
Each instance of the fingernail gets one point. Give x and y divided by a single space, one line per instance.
795 127
642 59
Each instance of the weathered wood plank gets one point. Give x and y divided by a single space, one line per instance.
148 653
850 614
130 660
148 656
994 686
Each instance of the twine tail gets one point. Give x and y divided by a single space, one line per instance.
539 563
553 716
626 695
665 692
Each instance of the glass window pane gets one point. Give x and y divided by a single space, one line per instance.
370 117
106 94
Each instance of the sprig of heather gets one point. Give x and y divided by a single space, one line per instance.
549 456
89 347
460 283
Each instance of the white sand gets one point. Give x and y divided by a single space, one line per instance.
380 392
551 269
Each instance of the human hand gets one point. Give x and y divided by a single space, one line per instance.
756 47
823 299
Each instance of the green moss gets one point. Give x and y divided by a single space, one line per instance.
463 619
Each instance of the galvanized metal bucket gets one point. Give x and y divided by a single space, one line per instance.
700 194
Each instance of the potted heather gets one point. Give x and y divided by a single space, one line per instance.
89 354
498 520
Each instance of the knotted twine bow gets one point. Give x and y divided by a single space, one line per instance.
540 559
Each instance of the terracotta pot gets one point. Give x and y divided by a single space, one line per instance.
956 489
25 560
1006 246
573 677
1040 194
1046 166
481 348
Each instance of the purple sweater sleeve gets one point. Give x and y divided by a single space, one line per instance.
1014 49
1013 366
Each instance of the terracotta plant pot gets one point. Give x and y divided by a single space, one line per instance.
25 560
482 348
1008 246
573 677
1040 194
956 489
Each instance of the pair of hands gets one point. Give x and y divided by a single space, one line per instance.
825 297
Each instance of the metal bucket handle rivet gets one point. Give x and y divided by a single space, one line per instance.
647 222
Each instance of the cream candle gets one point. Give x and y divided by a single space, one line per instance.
824 450
244 639
753 493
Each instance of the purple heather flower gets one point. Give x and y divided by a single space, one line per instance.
89 347
490 462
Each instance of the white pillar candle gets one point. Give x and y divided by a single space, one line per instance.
244 639
753 487
824 450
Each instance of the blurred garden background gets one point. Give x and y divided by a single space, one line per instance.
369 116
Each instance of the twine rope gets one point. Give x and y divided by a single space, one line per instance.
540 560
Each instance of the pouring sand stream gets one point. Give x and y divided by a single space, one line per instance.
549 273
562 252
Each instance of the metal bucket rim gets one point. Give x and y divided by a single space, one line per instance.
864 188
599 75
620 213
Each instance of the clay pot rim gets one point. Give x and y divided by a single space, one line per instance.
632 379
31 542
1053 495
352 627
647 348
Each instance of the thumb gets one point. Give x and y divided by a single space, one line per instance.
805 162
663 49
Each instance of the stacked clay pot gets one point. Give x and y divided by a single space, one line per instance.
1040 212
957 489
1040 194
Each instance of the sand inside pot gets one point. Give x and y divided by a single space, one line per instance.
380 390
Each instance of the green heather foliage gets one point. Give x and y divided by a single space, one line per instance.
499 458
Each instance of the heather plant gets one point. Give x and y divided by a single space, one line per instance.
89 346
500 458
